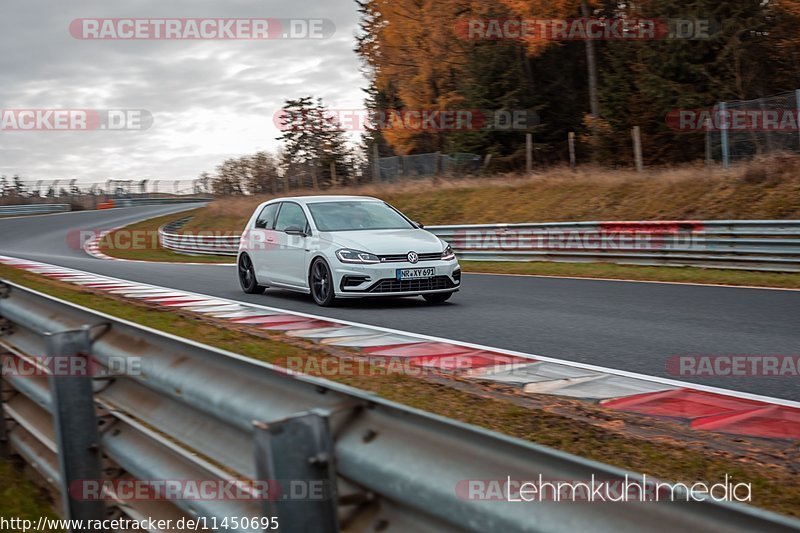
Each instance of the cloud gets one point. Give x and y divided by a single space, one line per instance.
209 99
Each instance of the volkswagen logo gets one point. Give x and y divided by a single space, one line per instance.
413 257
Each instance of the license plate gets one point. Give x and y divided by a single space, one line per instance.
415 273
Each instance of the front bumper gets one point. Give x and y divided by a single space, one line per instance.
359 281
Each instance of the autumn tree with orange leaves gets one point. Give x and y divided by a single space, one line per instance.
417 58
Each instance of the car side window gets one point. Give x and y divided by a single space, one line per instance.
266 219
291 215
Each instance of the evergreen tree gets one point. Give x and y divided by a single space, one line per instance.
315 146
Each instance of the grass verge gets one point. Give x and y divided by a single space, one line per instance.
571 426
641 273
763 189
139 242
20 498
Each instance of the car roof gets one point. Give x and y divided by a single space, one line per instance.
325 198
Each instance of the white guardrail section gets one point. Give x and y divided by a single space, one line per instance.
768 245
193 412
33 209
133 202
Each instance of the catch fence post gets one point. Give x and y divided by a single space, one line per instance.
529 153
571 140
636 133
723 125
376 164
797 107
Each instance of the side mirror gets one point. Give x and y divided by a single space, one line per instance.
295 230
261 224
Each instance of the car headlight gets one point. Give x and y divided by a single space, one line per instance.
355 256
448 254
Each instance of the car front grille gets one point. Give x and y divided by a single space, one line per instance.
412 285
403 258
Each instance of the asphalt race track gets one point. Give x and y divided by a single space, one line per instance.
628 326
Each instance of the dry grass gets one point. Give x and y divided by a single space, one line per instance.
764 189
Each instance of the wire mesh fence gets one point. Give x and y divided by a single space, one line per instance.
744 129
71 188
81 195
395 168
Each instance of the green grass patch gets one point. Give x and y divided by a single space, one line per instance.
20 498
140 242
570 426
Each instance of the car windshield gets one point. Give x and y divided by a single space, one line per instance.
356 215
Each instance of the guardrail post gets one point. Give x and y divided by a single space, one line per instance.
297 454
5 327
75 425
4 451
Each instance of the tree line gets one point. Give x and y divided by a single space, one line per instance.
314 154
417 57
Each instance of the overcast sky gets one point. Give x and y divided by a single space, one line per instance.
209 99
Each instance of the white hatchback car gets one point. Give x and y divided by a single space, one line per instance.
343 247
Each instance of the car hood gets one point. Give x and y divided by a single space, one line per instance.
386 242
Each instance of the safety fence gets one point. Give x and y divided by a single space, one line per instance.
33 209
395 168
111 188
764 245
159 408
743 129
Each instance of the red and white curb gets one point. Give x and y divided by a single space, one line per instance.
702 407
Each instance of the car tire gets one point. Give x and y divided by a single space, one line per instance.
437 297
247 275
320 282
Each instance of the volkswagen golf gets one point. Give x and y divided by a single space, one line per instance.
344 247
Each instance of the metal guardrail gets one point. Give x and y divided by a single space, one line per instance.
196 244
766 245
734 244
194 412
131 202
33 209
